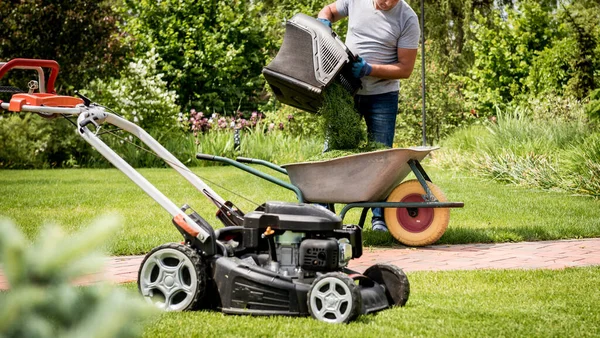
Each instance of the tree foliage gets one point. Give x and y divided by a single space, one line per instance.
212 52
82 36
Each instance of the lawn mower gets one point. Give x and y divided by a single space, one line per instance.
283 258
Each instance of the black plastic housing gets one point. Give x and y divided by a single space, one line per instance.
319 254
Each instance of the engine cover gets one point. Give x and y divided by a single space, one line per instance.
319 254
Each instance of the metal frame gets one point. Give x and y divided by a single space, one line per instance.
417 169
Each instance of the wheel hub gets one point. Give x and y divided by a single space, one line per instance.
169 281
331 302
414 220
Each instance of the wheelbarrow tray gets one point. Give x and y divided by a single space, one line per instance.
365 177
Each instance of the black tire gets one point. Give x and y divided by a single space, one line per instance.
397 287
156 281
334 290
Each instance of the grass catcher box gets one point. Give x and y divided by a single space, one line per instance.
310 59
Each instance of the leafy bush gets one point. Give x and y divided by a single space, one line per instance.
42 302
592 108
504 50
445 107
30 141
140 95
583 163
212 52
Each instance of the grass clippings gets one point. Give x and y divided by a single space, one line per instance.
341 122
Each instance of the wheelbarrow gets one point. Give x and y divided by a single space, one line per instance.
416 211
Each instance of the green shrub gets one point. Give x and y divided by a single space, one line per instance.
592 108
212 52
583 164
42 302
140 95
30 141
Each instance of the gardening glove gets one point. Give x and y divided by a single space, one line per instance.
361 68
325 22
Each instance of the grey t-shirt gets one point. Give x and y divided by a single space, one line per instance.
376 35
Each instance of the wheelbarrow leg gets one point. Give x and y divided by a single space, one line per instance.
423 178
363 217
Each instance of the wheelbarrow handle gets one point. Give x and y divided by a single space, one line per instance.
205 157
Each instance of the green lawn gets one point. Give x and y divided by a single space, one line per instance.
510 303
493 212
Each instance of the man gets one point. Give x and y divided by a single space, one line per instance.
385 35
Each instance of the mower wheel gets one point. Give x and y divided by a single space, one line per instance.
334 298
173 276
416 226
397 287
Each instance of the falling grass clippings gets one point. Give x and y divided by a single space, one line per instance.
341 122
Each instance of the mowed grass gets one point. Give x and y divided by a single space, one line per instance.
484 303
493 212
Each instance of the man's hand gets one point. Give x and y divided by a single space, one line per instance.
361 68
325 22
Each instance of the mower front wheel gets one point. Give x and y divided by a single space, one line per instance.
334 298
173 277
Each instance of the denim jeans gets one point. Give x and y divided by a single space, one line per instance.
380 113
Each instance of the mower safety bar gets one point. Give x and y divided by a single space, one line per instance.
36 65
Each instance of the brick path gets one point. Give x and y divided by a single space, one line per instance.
524 255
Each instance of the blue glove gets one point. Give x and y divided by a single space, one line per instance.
361 68
325 22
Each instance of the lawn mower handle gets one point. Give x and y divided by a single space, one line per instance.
33 64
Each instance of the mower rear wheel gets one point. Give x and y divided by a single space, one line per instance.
416 226
397 287
334 298
173 277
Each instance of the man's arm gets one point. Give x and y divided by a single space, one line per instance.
330 13
400 70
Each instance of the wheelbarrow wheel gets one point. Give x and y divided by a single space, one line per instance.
416 226
174 277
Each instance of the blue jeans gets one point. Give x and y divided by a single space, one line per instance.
380 113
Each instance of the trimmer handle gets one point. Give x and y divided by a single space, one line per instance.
17 63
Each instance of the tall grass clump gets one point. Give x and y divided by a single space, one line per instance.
583 163
518 147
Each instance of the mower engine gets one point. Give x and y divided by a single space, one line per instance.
292 259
